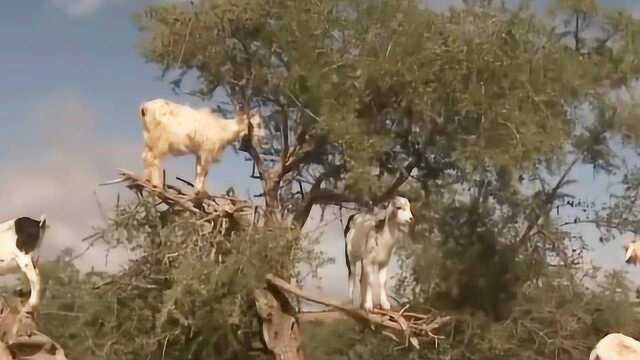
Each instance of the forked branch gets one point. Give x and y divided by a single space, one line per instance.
410 326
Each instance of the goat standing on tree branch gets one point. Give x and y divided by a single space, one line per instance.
175 129
371 243
19 238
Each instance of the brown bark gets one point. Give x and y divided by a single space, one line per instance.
408 326
280 327
271 182
537 215
319 196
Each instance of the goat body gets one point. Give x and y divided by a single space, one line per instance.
616 347
19 238
371 243
174 129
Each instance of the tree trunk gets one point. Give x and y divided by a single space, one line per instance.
280 327
271 185
14 345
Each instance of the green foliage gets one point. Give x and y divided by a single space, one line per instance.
478 271
479 85
187 295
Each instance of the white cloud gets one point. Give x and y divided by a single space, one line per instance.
56 171
79 7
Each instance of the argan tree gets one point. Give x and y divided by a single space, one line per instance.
479 115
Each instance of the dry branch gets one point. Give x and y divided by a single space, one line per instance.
280 327
19 337
410 325
197 203
537 215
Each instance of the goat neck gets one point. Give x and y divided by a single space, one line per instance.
240 125
394 228
390 234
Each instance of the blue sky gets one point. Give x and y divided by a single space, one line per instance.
72 80
72 83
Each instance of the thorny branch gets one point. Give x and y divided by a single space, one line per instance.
195 203
319 196
411 326
546 205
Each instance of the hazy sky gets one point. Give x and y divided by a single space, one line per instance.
72 83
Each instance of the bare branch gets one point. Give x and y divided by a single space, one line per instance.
410 327
319 196
547 203
302 154
300 218
400 180
198 203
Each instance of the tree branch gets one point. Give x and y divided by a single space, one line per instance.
247 146
300 217
547 202
409 325
399 181
319 196
301 155
280 328
285 134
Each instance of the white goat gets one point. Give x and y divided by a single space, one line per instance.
175 129
19 238
632 250
616 347
371 243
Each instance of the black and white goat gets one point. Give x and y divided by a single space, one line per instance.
19 238
370 242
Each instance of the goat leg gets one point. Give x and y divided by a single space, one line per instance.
372 284
25 262
384 301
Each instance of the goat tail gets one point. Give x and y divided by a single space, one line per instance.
43 221
142 111
347 230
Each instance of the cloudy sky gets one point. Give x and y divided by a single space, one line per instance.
72 82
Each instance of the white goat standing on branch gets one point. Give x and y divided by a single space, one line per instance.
371 243
19 238
175 129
